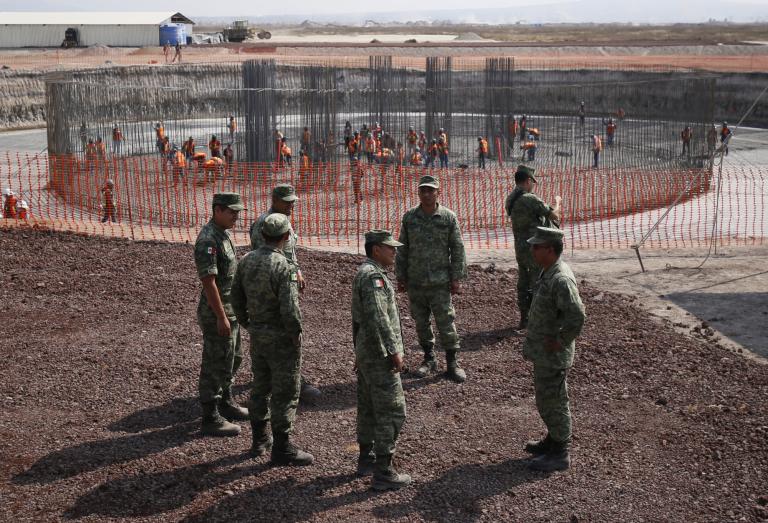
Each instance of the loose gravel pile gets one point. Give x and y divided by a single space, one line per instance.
99 421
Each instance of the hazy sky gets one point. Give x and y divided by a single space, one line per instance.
308 7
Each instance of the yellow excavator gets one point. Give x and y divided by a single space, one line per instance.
239 31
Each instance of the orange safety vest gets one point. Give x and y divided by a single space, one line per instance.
412 137
160 132
286 150
166 147
513 127
306 137
214 146
484 146
534 131
199 157
232 126
10 207
528 145
212 163
22 214
443 148
101 148
686 135
90 149
109 203
433 149
370 145
416 159
180 160
305 162
725 132
189 147
610 128
352 146
117 135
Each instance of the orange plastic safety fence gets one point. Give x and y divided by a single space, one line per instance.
147 198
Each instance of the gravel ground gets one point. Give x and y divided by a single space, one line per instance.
99 416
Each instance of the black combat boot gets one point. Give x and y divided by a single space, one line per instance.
557 458
386 477
262 439
214 425
308 394
229 408
366 461
429 365
454 372
523 321
286 453
539 447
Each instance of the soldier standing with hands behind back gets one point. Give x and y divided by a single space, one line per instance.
378 363
216 263
527 212
429 266
265 297
557 317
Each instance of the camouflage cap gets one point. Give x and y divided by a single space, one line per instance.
523 173
276 224
546 235
429 181
285 192
381 236
229 199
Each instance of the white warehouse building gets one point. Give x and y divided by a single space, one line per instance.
115 29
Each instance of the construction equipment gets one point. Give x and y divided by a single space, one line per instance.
239 31
71 38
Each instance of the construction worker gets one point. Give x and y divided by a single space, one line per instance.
177 53
523 127
597 146
22 210
306 140
286 152
305 166
189 148
166 50
685 136
441 134
347 133
159 136
229 156
179 165
232 128
413 141
432 153
482 151
370 148
90 155
442 150
9 204
725 137
108 196
529 147
352 145
512 129
422 143
376 131
610 130
416 158
582 112
117 140
212 167
214 146
83 136
101 150
166 152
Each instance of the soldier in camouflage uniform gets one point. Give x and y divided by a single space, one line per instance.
265 297
429 266
216 263
283 199
527 212
378 363
557 317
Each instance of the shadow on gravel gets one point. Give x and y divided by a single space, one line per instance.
285 501
335 396
93 455
473 341
145 495
456 495
175 412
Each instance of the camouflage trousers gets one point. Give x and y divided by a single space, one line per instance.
380 406
222 357
434 300
552 401
276 367
527 272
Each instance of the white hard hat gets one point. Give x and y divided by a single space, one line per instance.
110 182
7 192
23 204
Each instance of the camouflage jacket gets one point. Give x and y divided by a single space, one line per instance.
375 318
432 251
265 293
527 212
556 312
215 254
257 240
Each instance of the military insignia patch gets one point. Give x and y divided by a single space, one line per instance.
378 283
294 276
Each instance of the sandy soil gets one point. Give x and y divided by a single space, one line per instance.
100 419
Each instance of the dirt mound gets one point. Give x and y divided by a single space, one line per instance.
666 428
97 50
